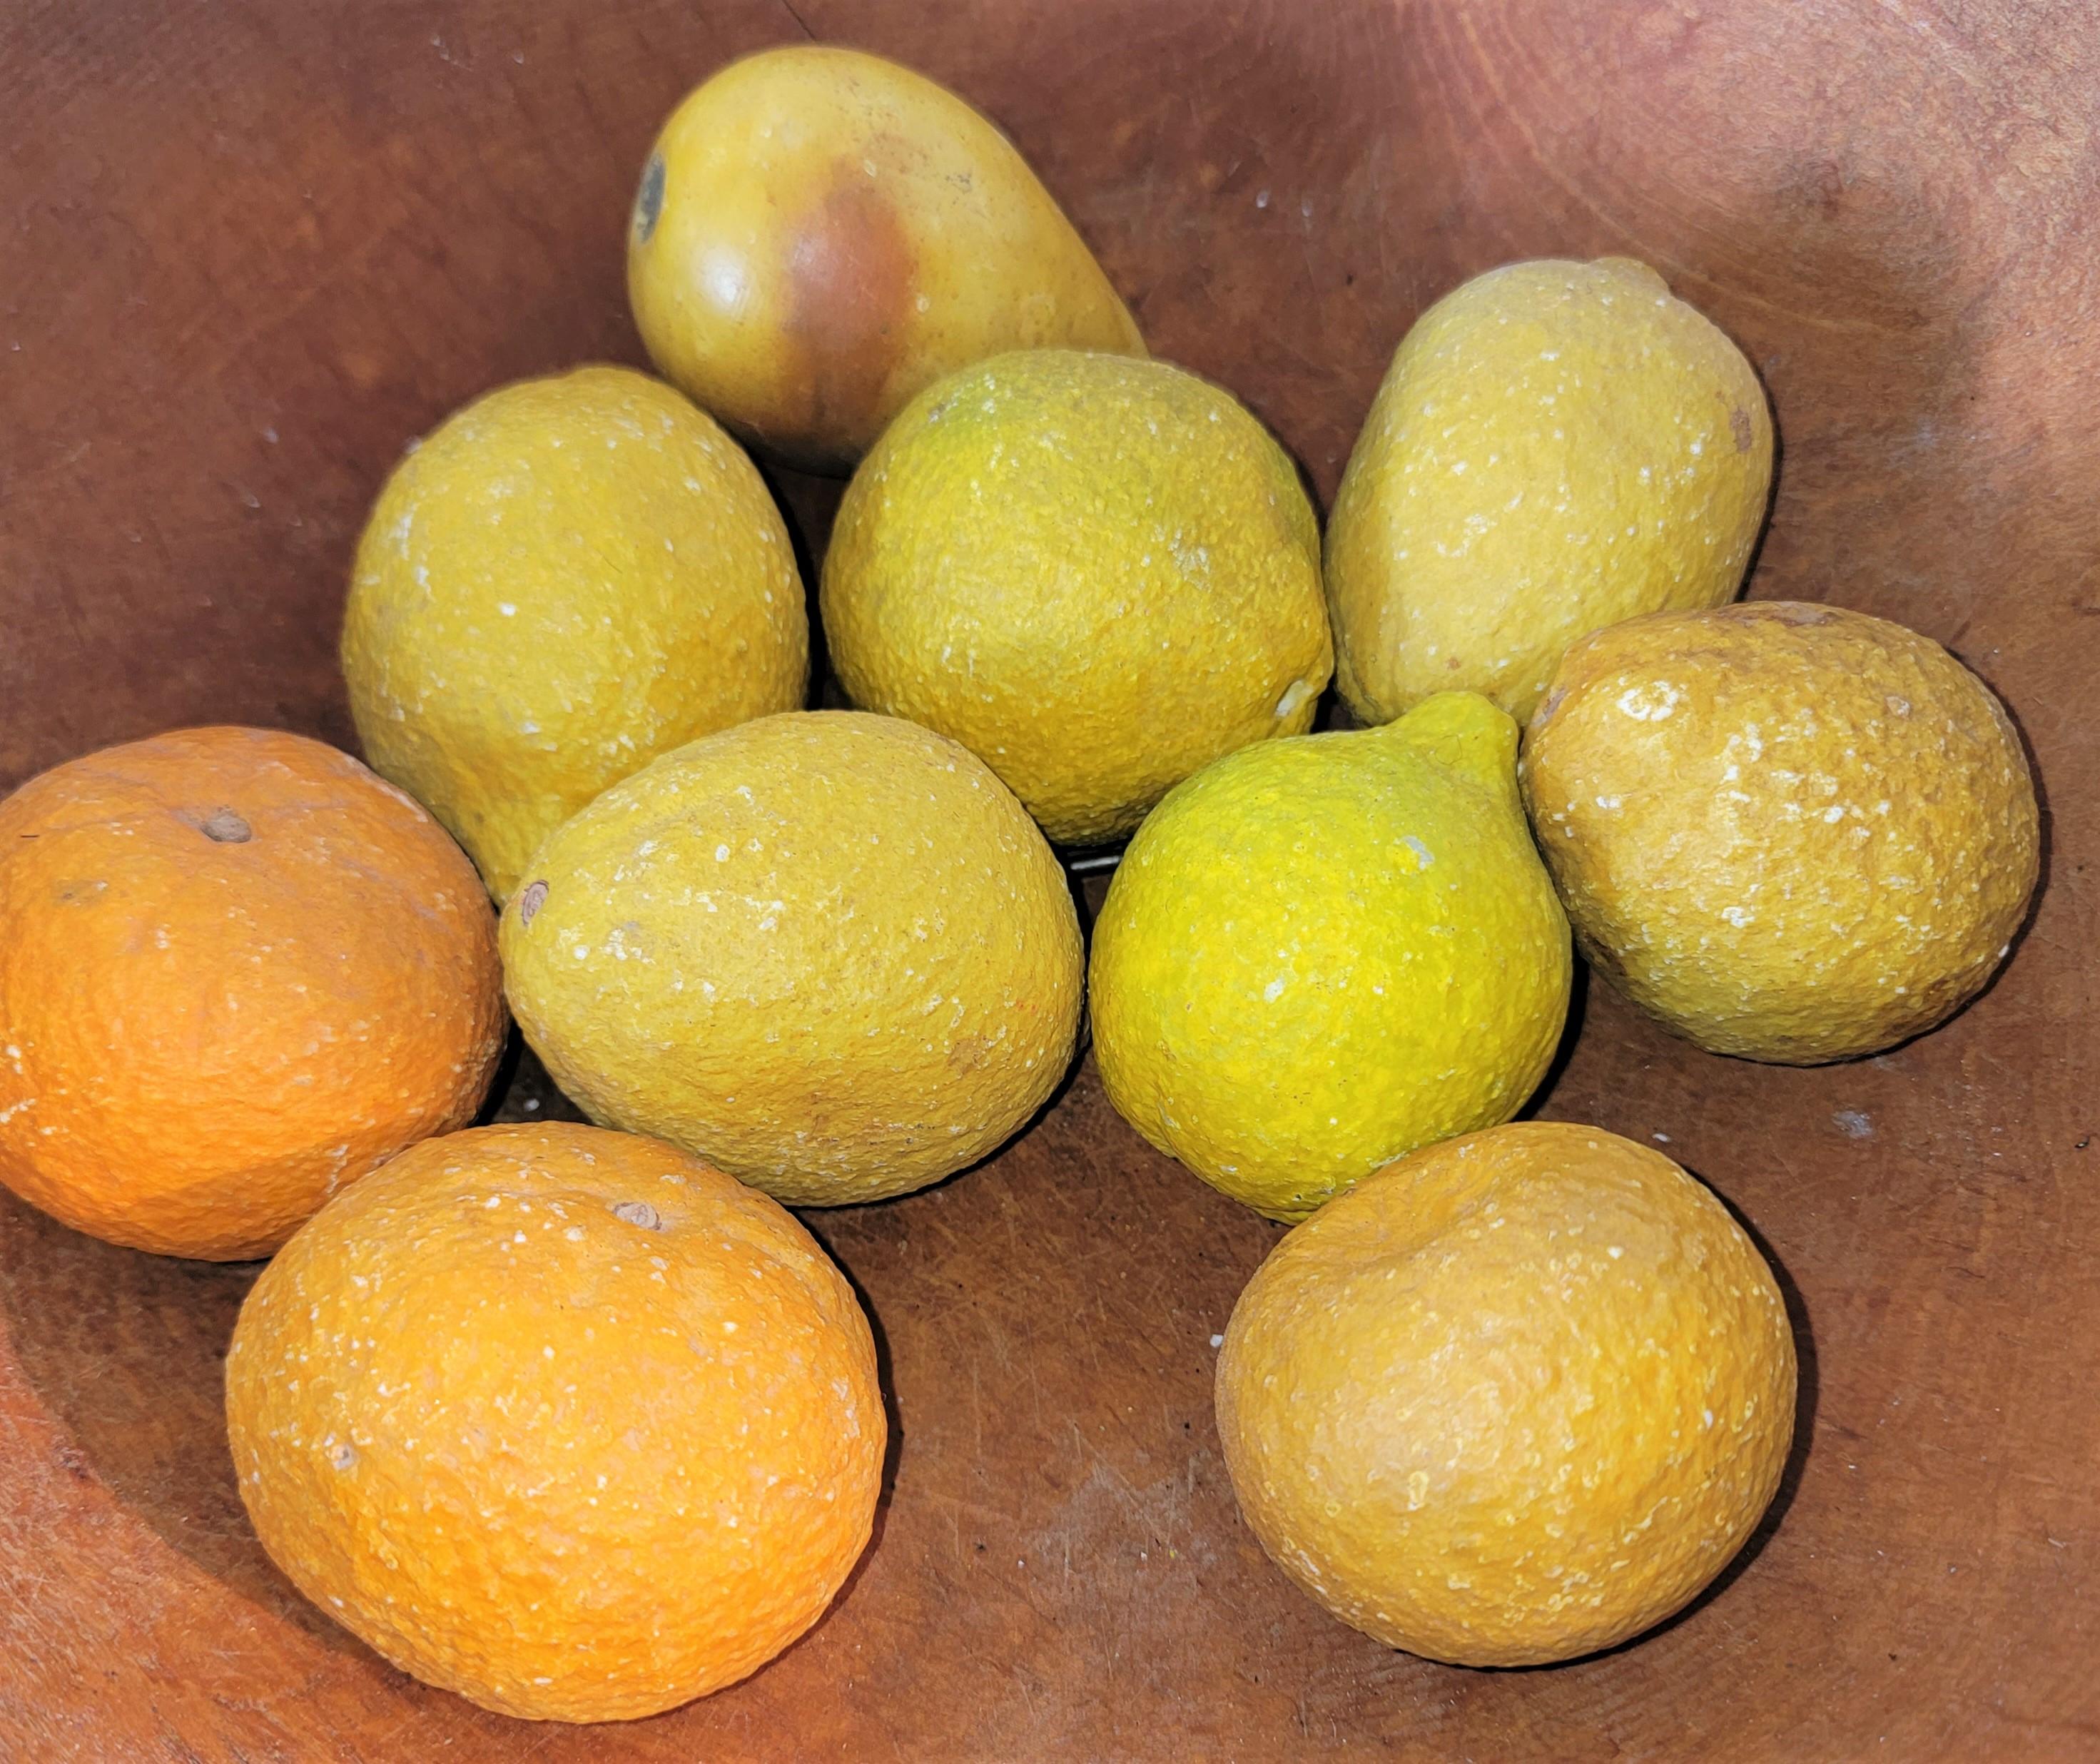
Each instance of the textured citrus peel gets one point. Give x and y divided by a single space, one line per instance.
240 971
1097 574
1789 831
565 579
1515 1399
827 950
1321 952
1555 447
573 1453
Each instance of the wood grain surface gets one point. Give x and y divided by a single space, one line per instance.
252 246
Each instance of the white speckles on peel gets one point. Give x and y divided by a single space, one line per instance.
508 608
1649 705
1423 857
1274 990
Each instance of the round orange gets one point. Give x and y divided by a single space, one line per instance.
1514 1398
238 972
562 1419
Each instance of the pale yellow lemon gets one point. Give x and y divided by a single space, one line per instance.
1556 446
564 579
827 951
1096 573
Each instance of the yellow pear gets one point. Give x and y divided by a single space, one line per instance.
820 233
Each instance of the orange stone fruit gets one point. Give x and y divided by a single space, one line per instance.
238 972
560 1418
1513 1398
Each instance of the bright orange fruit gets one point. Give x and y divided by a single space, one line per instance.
238 972
562 1419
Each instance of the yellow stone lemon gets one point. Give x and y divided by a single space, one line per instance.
827 951
1556 446
566 579
1319 954
820 233
1787 831
1515 1399
1097 574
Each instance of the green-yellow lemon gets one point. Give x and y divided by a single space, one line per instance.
564 579
1319 954
1098 574
827 951
1515 1399
1787 831
1556 446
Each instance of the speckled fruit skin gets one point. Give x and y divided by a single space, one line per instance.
1556 446
1787 831
1097 574
820 233
827 951
1320 954
1513 1399
238 972
563 1420
564 579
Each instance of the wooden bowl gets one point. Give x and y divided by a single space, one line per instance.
255 246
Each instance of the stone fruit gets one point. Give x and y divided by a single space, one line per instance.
1557 446
827 951
1096 573
1322 953
1513 1399
239 972
563 1420
820 233
1787 831
566 579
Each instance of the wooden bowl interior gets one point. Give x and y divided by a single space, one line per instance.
257 246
